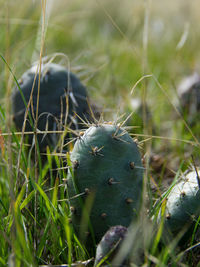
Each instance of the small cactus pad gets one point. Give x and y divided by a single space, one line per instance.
107 165
60 93
110 242
189 96
182 207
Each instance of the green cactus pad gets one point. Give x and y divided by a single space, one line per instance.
110 243
106 165
182 207
56 85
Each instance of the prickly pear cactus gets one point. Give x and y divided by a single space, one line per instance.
106 167
182 207
189 96
61 93
110 243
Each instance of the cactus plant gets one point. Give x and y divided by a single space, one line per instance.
182 206
106 165
189 95
55 85
110 243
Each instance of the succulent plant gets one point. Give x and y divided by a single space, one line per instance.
189 95
61 93
182 206
106 168
110 243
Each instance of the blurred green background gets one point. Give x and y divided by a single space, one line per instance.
109 44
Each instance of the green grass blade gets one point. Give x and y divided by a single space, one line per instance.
48 203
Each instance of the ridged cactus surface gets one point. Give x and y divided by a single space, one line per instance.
107 165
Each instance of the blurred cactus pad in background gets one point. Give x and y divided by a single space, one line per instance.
56 95
99 132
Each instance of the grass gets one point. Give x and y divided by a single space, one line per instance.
139 50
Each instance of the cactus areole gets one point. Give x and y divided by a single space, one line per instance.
106 165
182 207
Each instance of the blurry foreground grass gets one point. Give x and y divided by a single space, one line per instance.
112 46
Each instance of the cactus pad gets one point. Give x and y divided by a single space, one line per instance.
110 242
106 165
182 207
61 93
